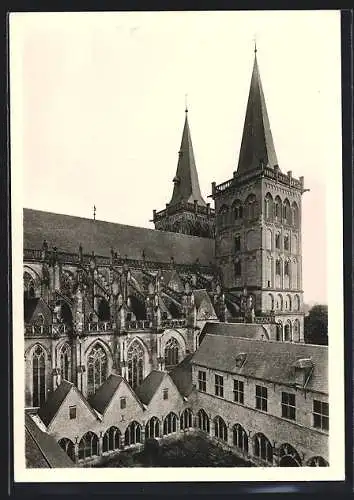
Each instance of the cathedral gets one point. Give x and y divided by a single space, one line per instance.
116 312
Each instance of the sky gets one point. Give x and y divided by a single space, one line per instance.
99 101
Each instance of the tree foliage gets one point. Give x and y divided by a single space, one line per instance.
316 325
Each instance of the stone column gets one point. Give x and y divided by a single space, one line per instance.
100 444
76 449
122 440
142 433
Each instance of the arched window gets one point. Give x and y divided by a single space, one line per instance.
271 302
186 420
262 448
268 206
103 310
286 243
132 434
237 210
28 286
296 330
97 368
297 303
220 429
65 362
111 439
289 457
279 331
277 241
171 353
224 215
251 206
288 303
38 376
279 302
88 446
203 421
240 438
317 462
170 423
135 358
287 331
286 268
68 446
152 428
286 212
278 267
277 208
295 214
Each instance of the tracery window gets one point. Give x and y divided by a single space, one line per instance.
240 438
220 428
186 420
152 428
68 446
38 376
28 285
111 439
135 359
88 446
132 434
203 421
65 362
97 368
262 448
171 353
170 423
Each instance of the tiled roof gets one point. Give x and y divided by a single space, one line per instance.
186 187
102 397
66 232
149 386
257 141
53 402
267 360
182 376
42 450
245 330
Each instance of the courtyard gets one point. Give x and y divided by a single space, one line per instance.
187 451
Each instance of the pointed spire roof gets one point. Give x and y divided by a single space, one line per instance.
186 182
257 142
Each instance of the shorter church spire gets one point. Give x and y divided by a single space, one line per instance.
186 182
257 146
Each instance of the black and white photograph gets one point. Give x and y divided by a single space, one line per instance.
176 242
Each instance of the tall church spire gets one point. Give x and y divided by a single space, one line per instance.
257 145
186 183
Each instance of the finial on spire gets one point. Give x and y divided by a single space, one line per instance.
186 103
94 212
255 44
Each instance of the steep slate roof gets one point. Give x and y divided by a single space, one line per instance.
66 232
149 386
267 360
245 330
29 308
182 376
186 182
54 401
41 449
257 140
104 394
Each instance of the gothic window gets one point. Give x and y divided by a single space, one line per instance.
286 242
186 420
103 310
286 212
171 353
317 462
278 267
238 270
38 376
240 438
286 268
170 423
65 362
277 208
271 302
111 439
295 214
203 421
268 206
220 429
287 332
132 434
97 368
277 241
28 286
289 457
68 446
279 331
152 428
224 215
263 448
88 446
135 358
251 206
296 328
237 210
280 302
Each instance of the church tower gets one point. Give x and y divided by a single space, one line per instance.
258 225
187 211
